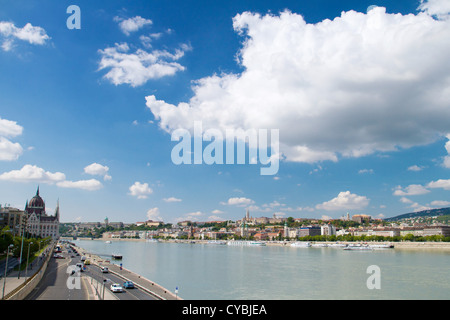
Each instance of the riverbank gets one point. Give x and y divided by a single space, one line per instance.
428 245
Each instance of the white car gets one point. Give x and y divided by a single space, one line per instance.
115 287
105 270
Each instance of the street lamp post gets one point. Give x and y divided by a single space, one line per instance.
21 249
28 256
6 269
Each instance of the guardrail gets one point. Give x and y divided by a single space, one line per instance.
29 284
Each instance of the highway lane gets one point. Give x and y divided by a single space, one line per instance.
127 294
53 285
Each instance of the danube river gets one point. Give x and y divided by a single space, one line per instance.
222 272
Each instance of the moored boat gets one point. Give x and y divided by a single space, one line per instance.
357 247
381 246
256 243
301 244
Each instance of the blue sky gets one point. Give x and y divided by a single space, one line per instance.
360 98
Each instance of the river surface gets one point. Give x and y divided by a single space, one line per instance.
222 272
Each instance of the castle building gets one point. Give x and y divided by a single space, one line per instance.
38 222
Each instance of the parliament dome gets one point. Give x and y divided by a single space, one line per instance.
36 201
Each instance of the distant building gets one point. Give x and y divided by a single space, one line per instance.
309 231
436 230
151 223
38 222
12 218
361 218
328 230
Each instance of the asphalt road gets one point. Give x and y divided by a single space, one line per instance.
54 284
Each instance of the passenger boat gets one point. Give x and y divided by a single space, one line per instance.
337 245
381 246
256 243
301 244
357 247
117 256
217 242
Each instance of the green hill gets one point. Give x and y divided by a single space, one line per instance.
424 213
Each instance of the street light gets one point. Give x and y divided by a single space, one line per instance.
6 269
21 249
28 256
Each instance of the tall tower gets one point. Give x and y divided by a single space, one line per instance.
286 231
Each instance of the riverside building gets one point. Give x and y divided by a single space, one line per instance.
38 222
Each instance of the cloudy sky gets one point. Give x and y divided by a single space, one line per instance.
358 91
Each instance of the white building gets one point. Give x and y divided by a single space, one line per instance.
327 230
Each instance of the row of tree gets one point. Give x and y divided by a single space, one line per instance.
33 243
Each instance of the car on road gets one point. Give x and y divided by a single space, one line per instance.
105 269
80 266
115 287
128 285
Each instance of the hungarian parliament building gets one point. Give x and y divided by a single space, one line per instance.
38 222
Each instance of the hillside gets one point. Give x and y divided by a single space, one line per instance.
424 213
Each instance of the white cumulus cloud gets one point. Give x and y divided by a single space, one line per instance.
172 199
9 150
32 173
345 201
29 33
140 190
132 24
98 169
137 68
154 214
90 185
239 201
411 190
441 183
348 87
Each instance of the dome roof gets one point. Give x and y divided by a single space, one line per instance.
36 201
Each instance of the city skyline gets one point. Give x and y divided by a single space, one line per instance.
358 90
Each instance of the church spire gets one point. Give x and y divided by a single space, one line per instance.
37 192
57 210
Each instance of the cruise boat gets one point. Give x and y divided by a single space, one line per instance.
217 242
357 247
256 243
337 245
108 241
381 246
117 256
301 244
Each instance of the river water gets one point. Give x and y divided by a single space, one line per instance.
222 272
